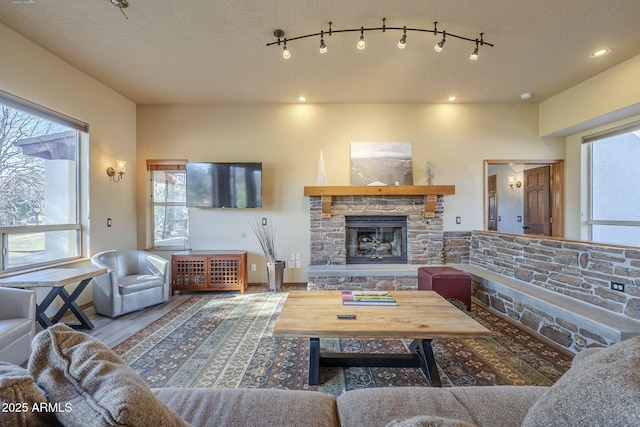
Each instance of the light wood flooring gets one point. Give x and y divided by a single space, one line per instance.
113 331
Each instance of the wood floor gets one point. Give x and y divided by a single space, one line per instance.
114 331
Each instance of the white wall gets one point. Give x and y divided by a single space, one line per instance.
603 102
510 203
288 139
605 98
30 72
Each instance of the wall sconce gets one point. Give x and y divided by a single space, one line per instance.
121 168
514 184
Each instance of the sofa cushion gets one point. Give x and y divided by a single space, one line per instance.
428 421
77 369
132 284
497 406
22 402
601 389
232 407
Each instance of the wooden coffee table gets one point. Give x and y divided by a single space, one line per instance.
419 315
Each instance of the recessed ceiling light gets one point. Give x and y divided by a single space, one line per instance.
526 95
452 98
600 52
303 99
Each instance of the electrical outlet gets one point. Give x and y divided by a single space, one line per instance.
617 286
253 267
292 256
297 256
458 220
297 264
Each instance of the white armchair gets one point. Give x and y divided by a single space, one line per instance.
135 280
17 324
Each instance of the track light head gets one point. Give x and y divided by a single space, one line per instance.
285 51
440 45
323 46
361 43
403 41
474 54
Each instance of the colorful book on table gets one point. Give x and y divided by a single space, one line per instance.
367 298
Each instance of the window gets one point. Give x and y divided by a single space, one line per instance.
614 178
39 209
169 215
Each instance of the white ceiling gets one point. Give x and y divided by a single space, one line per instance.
214 51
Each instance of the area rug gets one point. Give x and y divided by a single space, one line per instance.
226 341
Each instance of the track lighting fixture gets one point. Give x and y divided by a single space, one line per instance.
279 34
361 43
403 41
440 45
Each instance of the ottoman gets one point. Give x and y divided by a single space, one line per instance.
447 282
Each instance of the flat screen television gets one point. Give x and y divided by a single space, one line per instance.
224 185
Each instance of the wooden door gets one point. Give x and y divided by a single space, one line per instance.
537 197
492 203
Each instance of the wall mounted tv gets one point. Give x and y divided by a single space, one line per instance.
224 185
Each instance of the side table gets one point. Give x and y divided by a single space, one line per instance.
57 279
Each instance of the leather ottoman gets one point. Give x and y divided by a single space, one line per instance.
447 282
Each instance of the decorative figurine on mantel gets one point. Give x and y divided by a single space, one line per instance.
322 173
429 173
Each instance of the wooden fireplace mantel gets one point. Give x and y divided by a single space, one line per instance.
430 193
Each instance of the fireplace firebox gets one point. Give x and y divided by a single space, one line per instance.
376 239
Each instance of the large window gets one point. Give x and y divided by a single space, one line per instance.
169 214
615 181
39 217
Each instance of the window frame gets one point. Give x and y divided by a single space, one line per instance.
81 128
589 141
168 165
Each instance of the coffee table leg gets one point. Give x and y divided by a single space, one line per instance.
424 350
314 361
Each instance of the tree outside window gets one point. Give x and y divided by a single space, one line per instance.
38 183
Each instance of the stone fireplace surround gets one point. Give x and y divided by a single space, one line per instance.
328 268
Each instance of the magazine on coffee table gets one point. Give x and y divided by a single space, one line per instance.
368 298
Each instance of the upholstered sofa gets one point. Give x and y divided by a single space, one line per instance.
17 324
135 280
75 380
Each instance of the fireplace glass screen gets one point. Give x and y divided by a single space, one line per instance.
376 239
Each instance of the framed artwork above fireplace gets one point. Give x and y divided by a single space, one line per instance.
381 163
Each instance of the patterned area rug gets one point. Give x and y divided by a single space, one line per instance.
226 341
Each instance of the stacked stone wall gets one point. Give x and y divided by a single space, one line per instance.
581 270
456 247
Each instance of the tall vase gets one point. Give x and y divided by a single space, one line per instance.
275 273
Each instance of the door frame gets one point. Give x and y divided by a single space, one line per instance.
557 189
